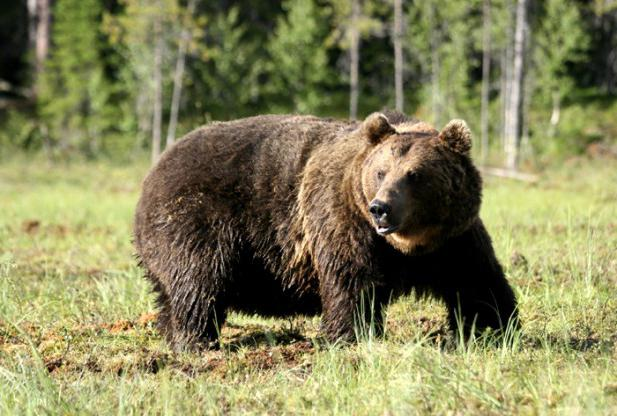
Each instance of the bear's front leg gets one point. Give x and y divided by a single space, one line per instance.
473 285
350 309
489 304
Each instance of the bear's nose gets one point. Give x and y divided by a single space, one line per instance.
379 209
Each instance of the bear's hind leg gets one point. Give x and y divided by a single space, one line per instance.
163 320
196 319
198 279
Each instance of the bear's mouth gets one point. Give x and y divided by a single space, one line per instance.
385 230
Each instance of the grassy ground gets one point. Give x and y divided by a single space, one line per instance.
77 336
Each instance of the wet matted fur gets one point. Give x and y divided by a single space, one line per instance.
270 215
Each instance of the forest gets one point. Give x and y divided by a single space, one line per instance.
536 80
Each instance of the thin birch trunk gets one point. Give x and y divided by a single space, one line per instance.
185 38
42 34
486 73
503 95
354 59
507 72
157 110
513 125
435 68
398 55
32 22
38 33
555 114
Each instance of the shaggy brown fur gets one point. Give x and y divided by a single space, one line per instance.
271 215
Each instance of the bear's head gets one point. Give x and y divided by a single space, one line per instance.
418 186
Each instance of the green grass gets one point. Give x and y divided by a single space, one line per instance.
76 330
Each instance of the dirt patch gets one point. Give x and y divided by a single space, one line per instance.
31 226
119 326
286 356
68 350
147 319
519 261
52 363
212 362
34 227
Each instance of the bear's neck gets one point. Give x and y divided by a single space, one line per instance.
352 185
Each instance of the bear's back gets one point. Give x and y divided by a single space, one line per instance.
242 154
245 167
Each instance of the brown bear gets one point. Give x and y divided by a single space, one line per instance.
280 215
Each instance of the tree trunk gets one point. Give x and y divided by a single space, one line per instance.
435 68
513 119
32 22
354 59
157 111
507 72
42 33
398 55
486 73
555 114
38 32
185 38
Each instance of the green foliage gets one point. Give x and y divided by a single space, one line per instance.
75 98
133 34
298 69
340 14
226 76
440 38
584 121
19 132
96 93
559 40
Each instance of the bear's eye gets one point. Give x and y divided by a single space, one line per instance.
412 176
380 175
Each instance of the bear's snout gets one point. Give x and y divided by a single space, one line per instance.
381 212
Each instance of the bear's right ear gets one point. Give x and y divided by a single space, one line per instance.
376 127
457 136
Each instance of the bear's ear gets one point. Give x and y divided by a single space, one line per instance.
457 136
376 127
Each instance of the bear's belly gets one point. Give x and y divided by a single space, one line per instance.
257 291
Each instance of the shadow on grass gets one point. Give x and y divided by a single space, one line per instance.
572 343
243 337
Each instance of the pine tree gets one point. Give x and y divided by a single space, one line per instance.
486 81
397 40
299 61
74 93
146 34
226 75
559 40
183 44
353 21
439 40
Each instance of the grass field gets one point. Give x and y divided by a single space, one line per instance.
77 336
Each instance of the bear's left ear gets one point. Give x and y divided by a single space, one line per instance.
457 136
376 127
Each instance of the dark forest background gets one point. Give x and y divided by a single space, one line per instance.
536 80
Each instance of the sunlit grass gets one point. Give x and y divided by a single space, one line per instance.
76 335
